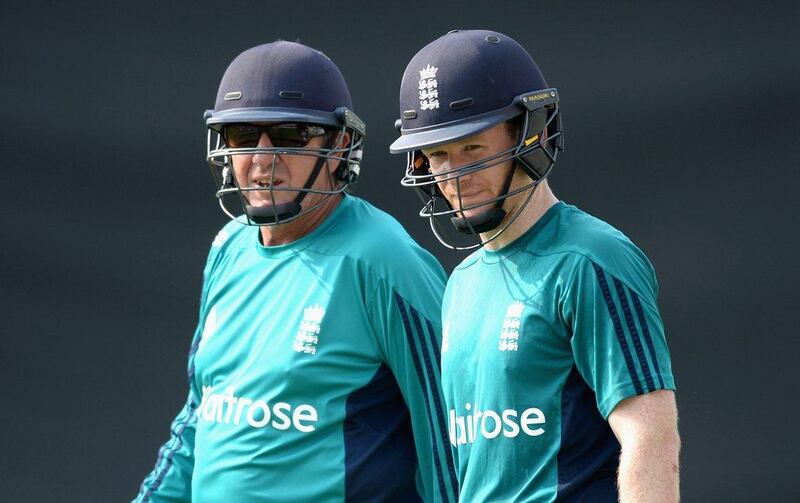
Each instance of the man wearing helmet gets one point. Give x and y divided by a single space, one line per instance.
313 373
555 369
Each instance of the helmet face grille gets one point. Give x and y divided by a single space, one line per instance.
539 140
233 198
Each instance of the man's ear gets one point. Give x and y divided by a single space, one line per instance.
339 140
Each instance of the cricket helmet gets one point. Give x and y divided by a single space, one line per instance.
460 85
282 83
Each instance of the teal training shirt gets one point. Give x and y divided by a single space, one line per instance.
314 371
542 339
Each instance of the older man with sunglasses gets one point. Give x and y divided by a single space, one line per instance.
313 373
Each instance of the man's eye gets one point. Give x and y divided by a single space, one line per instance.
472 147
438 153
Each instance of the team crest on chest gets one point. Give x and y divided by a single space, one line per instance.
428 95
308 334
509 333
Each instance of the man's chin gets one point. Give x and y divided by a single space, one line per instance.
267 203
474 212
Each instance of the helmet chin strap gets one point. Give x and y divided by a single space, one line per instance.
488 219
265 216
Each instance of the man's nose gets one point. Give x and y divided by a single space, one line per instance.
264 141
263 158
456 161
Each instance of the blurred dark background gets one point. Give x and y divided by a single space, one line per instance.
681 123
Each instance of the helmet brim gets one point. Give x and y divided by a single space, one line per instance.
440 134
215 120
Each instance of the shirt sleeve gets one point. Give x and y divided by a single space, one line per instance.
171 478
411 343
617 335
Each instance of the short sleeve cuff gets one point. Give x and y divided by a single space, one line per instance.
627 390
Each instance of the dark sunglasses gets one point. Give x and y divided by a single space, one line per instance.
280 135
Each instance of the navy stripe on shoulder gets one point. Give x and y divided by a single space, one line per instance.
637 343
648 340
420 375
612 310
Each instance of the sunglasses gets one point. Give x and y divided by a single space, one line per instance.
280 135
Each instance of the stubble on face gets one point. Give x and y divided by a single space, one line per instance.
266 174
470 190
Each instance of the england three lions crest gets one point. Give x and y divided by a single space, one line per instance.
307 336
428 94
509 333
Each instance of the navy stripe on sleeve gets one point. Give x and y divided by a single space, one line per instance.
192 352
168 451
177 431
436 390
612 310
420 374
432 338
646 332
637 343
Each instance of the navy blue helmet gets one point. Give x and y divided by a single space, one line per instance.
293 93
460 85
